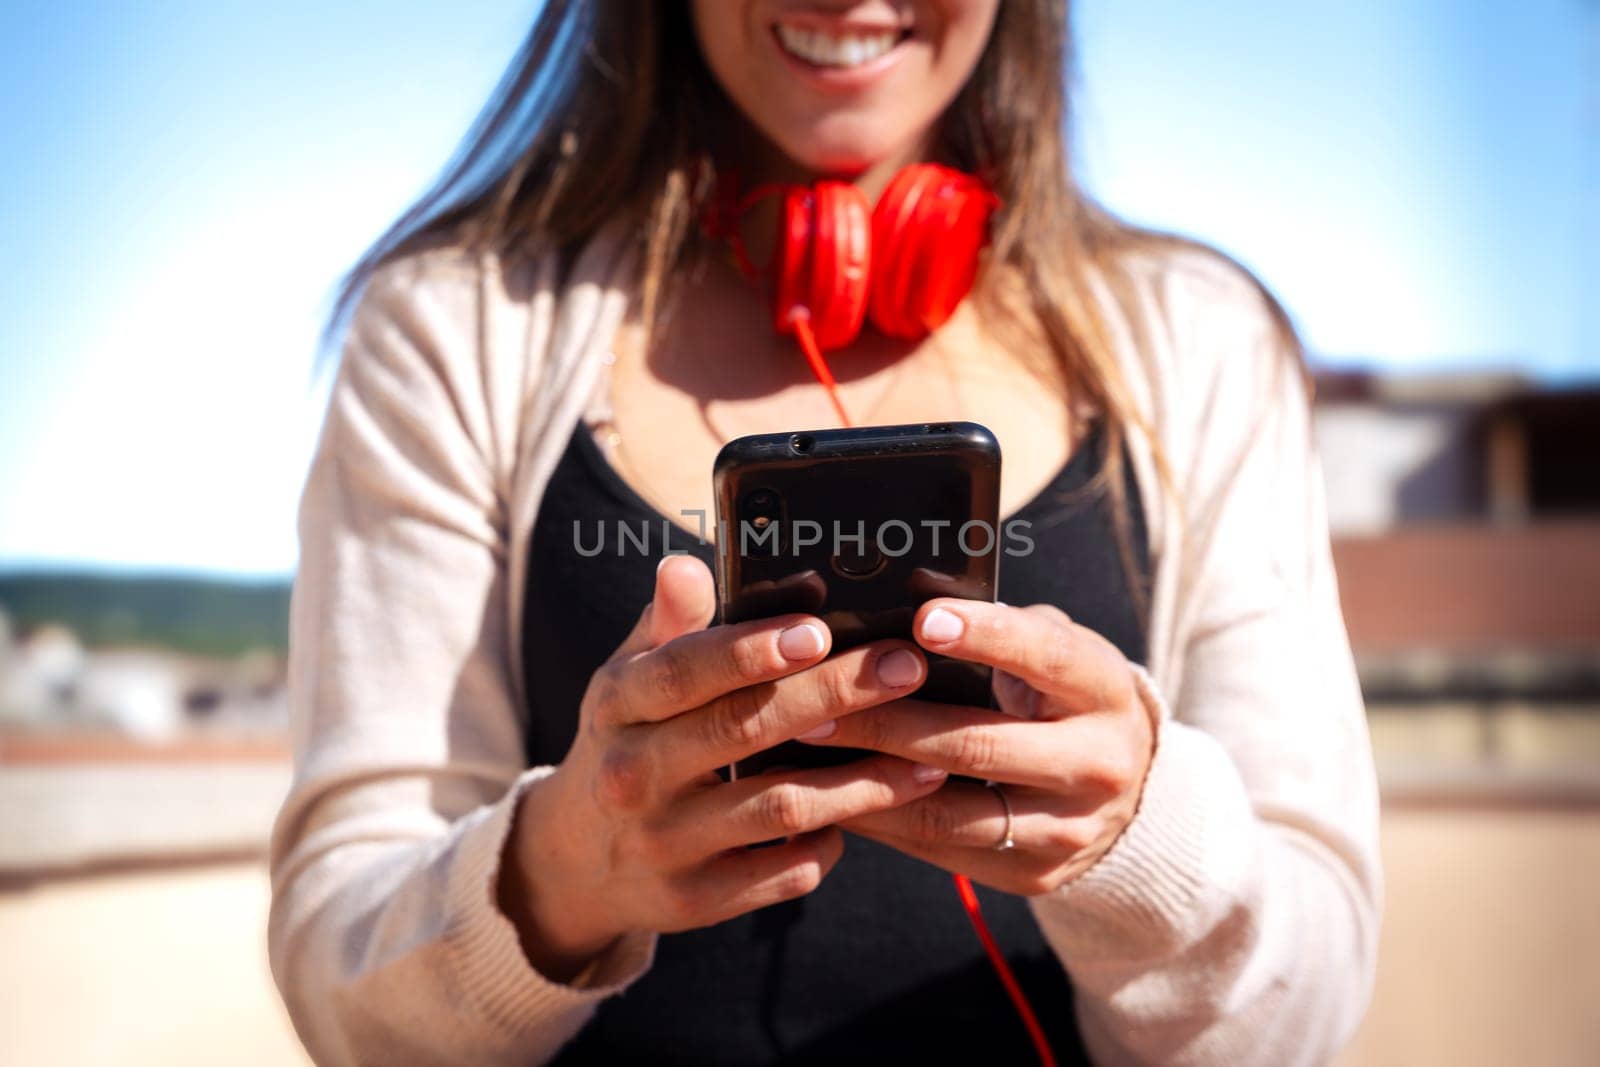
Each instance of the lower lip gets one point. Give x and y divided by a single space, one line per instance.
843 79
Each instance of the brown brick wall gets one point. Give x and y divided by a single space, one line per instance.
1459 588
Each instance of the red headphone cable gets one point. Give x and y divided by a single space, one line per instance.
969 898
721 221
800 319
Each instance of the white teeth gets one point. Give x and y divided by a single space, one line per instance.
825 50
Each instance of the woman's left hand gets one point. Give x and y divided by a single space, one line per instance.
1069 748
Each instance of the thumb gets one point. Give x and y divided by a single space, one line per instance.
685 601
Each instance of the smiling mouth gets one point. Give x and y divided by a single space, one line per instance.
838 50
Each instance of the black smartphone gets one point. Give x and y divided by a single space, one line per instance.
859 527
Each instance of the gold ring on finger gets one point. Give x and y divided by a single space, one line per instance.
1006 843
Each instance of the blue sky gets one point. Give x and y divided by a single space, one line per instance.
183 182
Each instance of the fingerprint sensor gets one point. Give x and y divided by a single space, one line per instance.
859 562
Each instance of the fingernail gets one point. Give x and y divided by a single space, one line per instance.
817 733
925 773
942 627
800 642
898 668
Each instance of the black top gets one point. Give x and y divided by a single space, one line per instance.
881 961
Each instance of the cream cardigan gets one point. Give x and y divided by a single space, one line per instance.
1234 922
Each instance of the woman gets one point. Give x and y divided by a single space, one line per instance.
506 841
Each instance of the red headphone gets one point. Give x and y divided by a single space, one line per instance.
906 263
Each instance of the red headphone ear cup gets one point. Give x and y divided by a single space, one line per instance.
841 263
891 220
947 245
791 267
822 265
928 230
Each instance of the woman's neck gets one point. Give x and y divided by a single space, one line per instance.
765 163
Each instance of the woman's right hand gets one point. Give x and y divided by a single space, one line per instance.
635 830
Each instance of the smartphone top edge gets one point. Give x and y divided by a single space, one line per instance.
796 444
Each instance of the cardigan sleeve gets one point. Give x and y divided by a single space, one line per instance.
1235 921
385 939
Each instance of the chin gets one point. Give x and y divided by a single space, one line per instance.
844 149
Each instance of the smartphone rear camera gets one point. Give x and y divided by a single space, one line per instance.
801 443
759 525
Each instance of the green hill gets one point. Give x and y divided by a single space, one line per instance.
204 616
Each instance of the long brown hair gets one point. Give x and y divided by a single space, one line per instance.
608 112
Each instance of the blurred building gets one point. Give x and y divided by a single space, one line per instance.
38 674
1466 517
1456 448
117 754
50 681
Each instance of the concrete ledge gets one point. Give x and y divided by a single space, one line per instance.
70 816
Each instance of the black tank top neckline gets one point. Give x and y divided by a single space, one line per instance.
881 961
1040 508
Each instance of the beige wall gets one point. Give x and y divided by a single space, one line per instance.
1491 955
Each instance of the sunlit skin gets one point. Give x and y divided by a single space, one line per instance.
635 830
